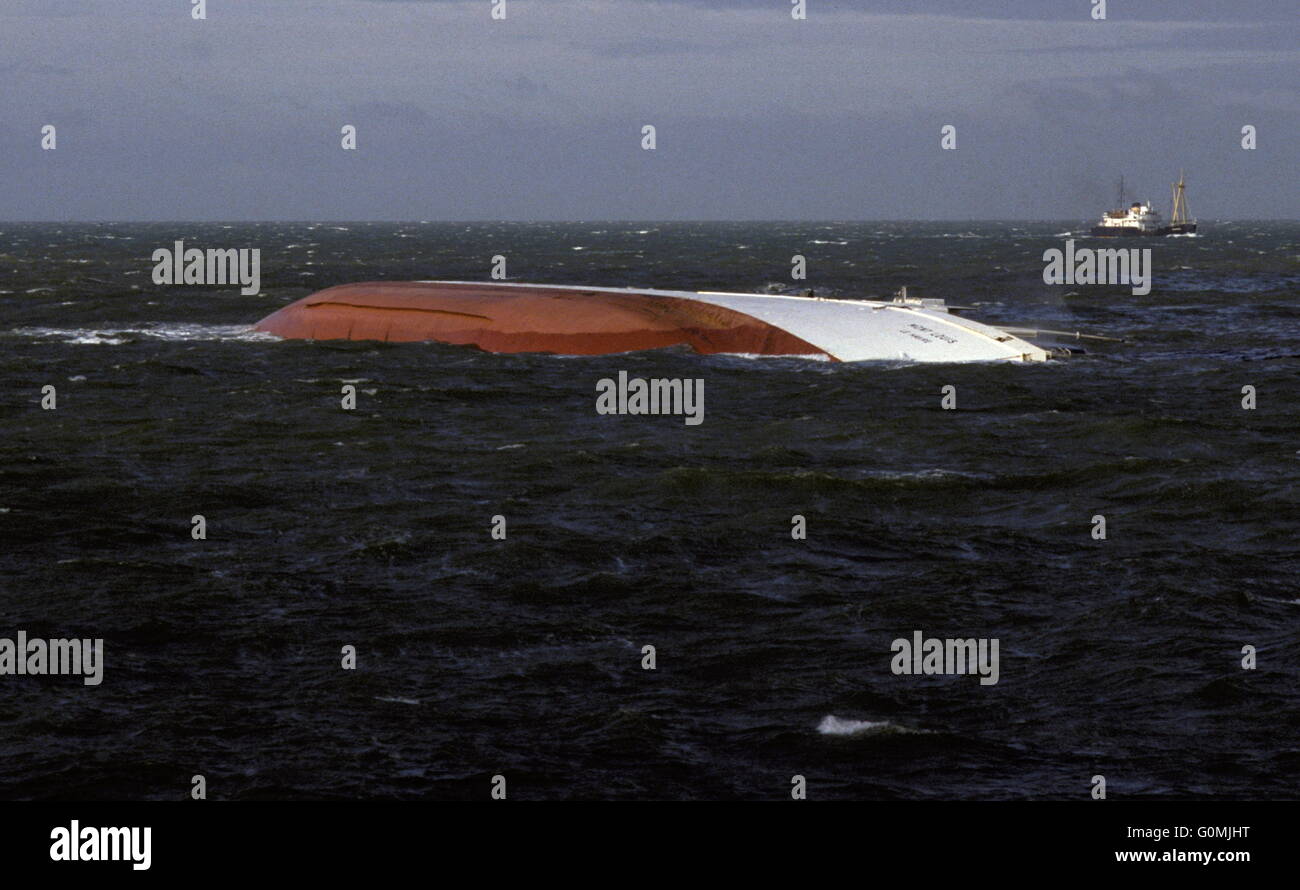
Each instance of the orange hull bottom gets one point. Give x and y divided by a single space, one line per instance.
567 321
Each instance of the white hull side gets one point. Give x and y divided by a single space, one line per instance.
858 330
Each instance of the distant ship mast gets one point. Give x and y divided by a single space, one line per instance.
1180 203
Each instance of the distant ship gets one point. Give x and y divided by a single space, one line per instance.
1143 219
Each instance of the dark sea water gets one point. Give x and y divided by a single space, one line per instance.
522 657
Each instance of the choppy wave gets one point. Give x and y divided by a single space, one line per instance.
839 726
170 332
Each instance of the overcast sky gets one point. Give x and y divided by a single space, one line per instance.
539 116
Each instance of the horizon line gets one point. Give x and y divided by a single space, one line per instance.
479 221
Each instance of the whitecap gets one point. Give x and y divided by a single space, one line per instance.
832 725
178 332
812 357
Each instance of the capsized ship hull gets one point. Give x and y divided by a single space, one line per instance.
501 317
